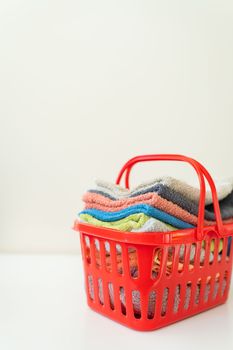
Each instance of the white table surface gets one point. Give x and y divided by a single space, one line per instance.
43 306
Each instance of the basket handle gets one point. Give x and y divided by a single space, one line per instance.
200 170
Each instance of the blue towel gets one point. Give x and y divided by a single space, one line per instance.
140 208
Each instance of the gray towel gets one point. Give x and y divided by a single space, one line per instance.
226 207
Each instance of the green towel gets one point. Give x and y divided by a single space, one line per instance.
212 245
132 222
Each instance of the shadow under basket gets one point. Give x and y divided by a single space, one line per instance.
147 280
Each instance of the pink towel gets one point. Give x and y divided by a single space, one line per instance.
97 201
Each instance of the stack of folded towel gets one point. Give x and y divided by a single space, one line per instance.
164 204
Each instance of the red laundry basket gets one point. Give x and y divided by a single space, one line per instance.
175 288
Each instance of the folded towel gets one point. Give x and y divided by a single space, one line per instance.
226 205
100 202
154 225
191 193
141 208
135 222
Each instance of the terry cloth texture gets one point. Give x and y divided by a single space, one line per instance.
165 192
154 225
100 202
135 222
226 207
189 192
141 208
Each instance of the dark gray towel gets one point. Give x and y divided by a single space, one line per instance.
226 207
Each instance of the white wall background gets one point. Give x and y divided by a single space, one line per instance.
85 85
